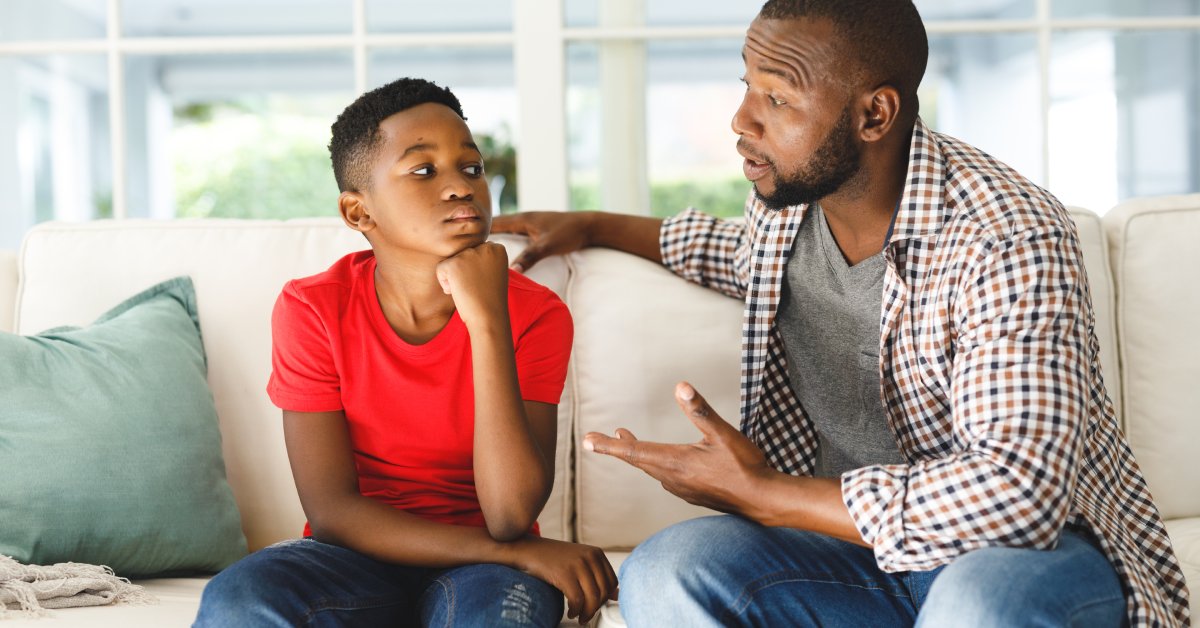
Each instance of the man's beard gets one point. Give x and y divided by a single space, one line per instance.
835 161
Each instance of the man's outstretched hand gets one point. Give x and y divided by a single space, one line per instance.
721 471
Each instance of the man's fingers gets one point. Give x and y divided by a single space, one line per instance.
642 454
509 224
530 256
697 409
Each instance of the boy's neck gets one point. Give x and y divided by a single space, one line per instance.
411 298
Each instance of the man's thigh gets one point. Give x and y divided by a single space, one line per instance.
725 570
1071 585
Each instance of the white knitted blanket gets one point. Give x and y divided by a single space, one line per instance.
34 588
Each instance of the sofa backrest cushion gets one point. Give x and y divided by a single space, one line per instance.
8 289
1155 263
639 329
73 272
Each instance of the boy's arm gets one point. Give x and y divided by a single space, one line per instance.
514 440
318 446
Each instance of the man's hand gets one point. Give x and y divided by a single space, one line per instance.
477 278
722 471
581 572
550 233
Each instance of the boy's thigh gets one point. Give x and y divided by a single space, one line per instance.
304 582
489 595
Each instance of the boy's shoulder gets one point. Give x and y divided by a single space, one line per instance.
337 279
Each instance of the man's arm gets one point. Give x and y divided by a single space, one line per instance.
559 233
726 472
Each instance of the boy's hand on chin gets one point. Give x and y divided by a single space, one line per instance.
477 279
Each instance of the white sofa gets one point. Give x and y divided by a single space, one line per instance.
639 329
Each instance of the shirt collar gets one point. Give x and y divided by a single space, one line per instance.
922 208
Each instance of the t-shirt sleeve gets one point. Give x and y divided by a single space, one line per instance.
304 376
543 350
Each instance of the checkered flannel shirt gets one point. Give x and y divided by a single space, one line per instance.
990 375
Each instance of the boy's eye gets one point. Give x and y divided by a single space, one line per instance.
423 170
474 170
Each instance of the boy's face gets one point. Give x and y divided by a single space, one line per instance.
428 193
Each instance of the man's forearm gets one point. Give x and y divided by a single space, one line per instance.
633 234
804 503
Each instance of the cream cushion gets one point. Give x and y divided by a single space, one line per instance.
8 289
1155 262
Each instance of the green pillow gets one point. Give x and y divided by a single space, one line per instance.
109 448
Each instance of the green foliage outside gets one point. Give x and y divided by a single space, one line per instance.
235 160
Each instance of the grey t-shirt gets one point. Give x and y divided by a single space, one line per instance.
829 320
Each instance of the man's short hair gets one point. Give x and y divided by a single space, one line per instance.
887 37
356 131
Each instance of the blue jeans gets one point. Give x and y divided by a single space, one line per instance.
727 571
305 582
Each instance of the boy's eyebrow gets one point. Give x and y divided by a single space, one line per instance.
416 148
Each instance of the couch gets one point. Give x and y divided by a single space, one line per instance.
639 329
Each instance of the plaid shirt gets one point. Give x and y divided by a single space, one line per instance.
990 375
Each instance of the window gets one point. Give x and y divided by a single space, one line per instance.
178 108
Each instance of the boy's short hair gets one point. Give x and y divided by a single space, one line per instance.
356 130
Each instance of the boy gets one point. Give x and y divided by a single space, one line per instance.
418 382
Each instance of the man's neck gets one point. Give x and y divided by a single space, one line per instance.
860 214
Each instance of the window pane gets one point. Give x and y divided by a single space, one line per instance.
158 18
1123 8
1123 115
975 9
687 147
55 146
984 89
31 20
410 16
483 81
240 136
586 13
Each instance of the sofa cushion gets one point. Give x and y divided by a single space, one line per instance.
639 329
239 266
1095 259
1155 258
8 289
111 453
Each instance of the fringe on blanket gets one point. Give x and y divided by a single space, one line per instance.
31 589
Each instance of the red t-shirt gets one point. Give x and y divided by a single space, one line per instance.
410 408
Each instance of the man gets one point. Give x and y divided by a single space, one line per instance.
925 433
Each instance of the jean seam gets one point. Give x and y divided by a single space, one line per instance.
1082 608
447 585
329 604
749 591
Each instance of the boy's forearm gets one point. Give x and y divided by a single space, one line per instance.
513 475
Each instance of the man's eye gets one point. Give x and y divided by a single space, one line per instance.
423 171
777 102
474 170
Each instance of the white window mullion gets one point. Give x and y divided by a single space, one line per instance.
360 46
1044 51
116 110
624 171
540 68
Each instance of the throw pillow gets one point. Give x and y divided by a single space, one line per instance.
109 447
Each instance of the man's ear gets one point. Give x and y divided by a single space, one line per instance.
881 108
354 211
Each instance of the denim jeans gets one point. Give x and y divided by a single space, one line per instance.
308 583
727 571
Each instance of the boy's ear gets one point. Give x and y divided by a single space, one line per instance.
354 212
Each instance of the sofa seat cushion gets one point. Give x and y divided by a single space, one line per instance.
1185 535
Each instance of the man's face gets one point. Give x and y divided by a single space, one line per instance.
428 193
796 127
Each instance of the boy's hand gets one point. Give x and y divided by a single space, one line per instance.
581 572
477 278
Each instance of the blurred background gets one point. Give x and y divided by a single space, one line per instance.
222 108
